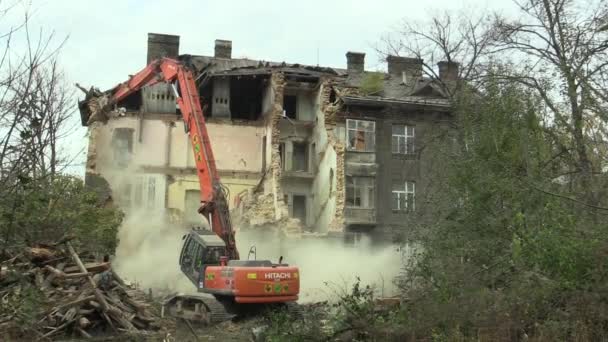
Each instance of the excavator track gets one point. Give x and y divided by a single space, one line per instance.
207 309
197 307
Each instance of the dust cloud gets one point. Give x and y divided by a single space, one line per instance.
149 248
148 251
328 267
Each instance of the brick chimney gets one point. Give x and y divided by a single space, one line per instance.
448 71
406 68
162 45
223 48
355 62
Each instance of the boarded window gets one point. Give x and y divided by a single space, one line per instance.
361 135
403 139
360 192
404 196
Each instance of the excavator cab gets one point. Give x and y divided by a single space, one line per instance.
200 250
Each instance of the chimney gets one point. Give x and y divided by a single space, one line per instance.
223 48
162 45
355 62
448 71
405 68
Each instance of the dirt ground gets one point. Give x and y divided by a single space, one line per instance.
226 331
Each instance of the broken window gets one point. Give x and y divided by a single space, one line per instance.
290 104
122 146
404 195
300 157
299 208
360 192
246 94
361 135
132 102
403 139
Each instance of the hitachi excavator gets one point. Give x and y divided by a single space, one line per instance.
209 258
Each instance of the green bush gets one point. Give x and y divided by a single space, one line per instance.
46 210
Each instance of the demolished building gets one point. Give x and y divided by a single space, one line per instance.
316 149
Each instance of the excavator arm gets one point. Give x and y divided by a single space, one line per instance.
214 204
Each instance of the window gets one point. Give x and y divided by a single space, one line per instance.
290 103
403 139
300 157
151 192
122 143
299 208
404 194
360 192
361 135
138 192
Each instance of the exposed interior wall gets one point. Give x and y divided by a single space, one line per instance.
304 108
278 86
335 139
235 147
324 186
180 185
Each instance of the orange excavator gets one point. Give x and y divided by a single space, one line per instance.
209 258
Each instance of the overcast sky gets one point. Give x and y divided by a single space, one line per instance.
106 40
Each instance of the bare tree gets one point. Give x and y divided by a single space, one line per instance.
448 36
35 105
35 108
559 52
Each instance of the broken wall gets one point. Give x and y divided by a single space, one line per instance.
324 186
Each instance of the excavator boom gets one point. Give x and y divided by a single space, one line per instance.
211 262
214 205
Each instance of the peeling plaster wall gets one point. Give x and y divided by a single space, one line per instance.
152 132
130 188
166 149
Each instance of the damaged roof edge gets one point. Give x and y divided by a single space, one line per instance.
441 104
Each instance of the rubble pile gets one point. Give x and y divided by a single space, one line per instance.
73 295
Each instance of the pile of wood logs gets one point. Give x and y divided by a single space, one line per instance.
76 295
